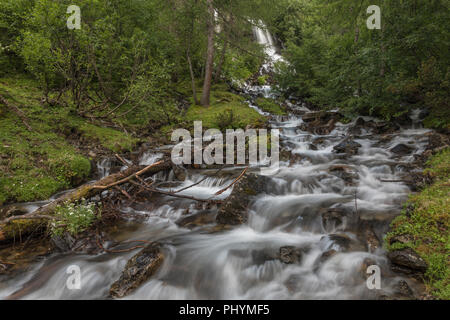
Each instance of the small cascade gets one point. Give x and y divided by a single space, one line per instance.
264 37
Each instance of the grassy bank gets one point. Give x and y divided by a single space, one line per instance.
57 153
271 106
424 226
226 111
54 155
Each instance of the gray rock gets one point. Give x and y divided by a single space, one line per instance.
407 261
402 149
348 147
234 210
138 270
290 255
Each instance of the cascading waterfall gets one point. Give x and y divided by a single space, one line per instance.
243 263
264 38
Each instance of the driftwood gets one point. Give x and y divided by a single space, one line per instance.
17 226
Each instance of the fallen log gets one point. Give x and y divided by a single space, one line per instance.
18 226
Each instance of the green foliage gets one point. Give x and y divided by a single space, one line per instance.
336 61
438 165
263 80
227 110
35 165
111 139
427 224
13 18
270 105
239 67
74 218
225 120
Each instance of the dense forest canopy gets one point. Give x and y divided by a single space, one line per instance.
129 55
336 61
354 93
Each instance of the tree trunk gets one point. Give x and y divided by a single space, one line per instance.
222 59
19 226
191 71
205 101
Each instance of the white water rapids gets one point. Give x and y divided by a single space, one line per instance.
205 263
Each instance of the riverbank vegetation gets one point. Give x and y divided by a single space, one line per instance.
124 76
425 223
136 70
334 60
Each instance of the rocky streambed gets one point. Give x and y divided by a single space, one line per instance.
309 230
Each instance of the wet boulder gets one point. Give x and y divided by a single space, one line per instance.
403 291
290 254
399 291
179 172
402 239
407 261
348 146
234 210
323 258
423 114
402 149
288 156
371 240
321 123
341 242
385 128
196 220
138 270
359 125
313 116
333 218
343 172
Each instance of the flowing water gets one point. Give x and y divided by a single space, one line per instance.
241 263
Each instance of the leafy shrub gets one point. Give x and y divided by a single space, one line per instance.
75 218
225 119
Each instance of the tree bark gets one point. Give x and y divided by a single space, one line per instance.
191 70
205 101
222 59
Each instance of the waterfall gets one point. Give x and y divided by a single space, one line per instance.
264 37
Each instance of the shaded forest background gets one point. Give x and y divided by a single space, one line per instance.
131 59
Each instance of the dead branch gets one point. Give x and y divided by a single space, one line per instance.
128 178
197 183
234 182
121 160
8 228
172 194
28 217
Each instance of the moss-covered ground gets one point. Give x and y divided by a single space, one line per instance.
55 155
36 164
426 226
